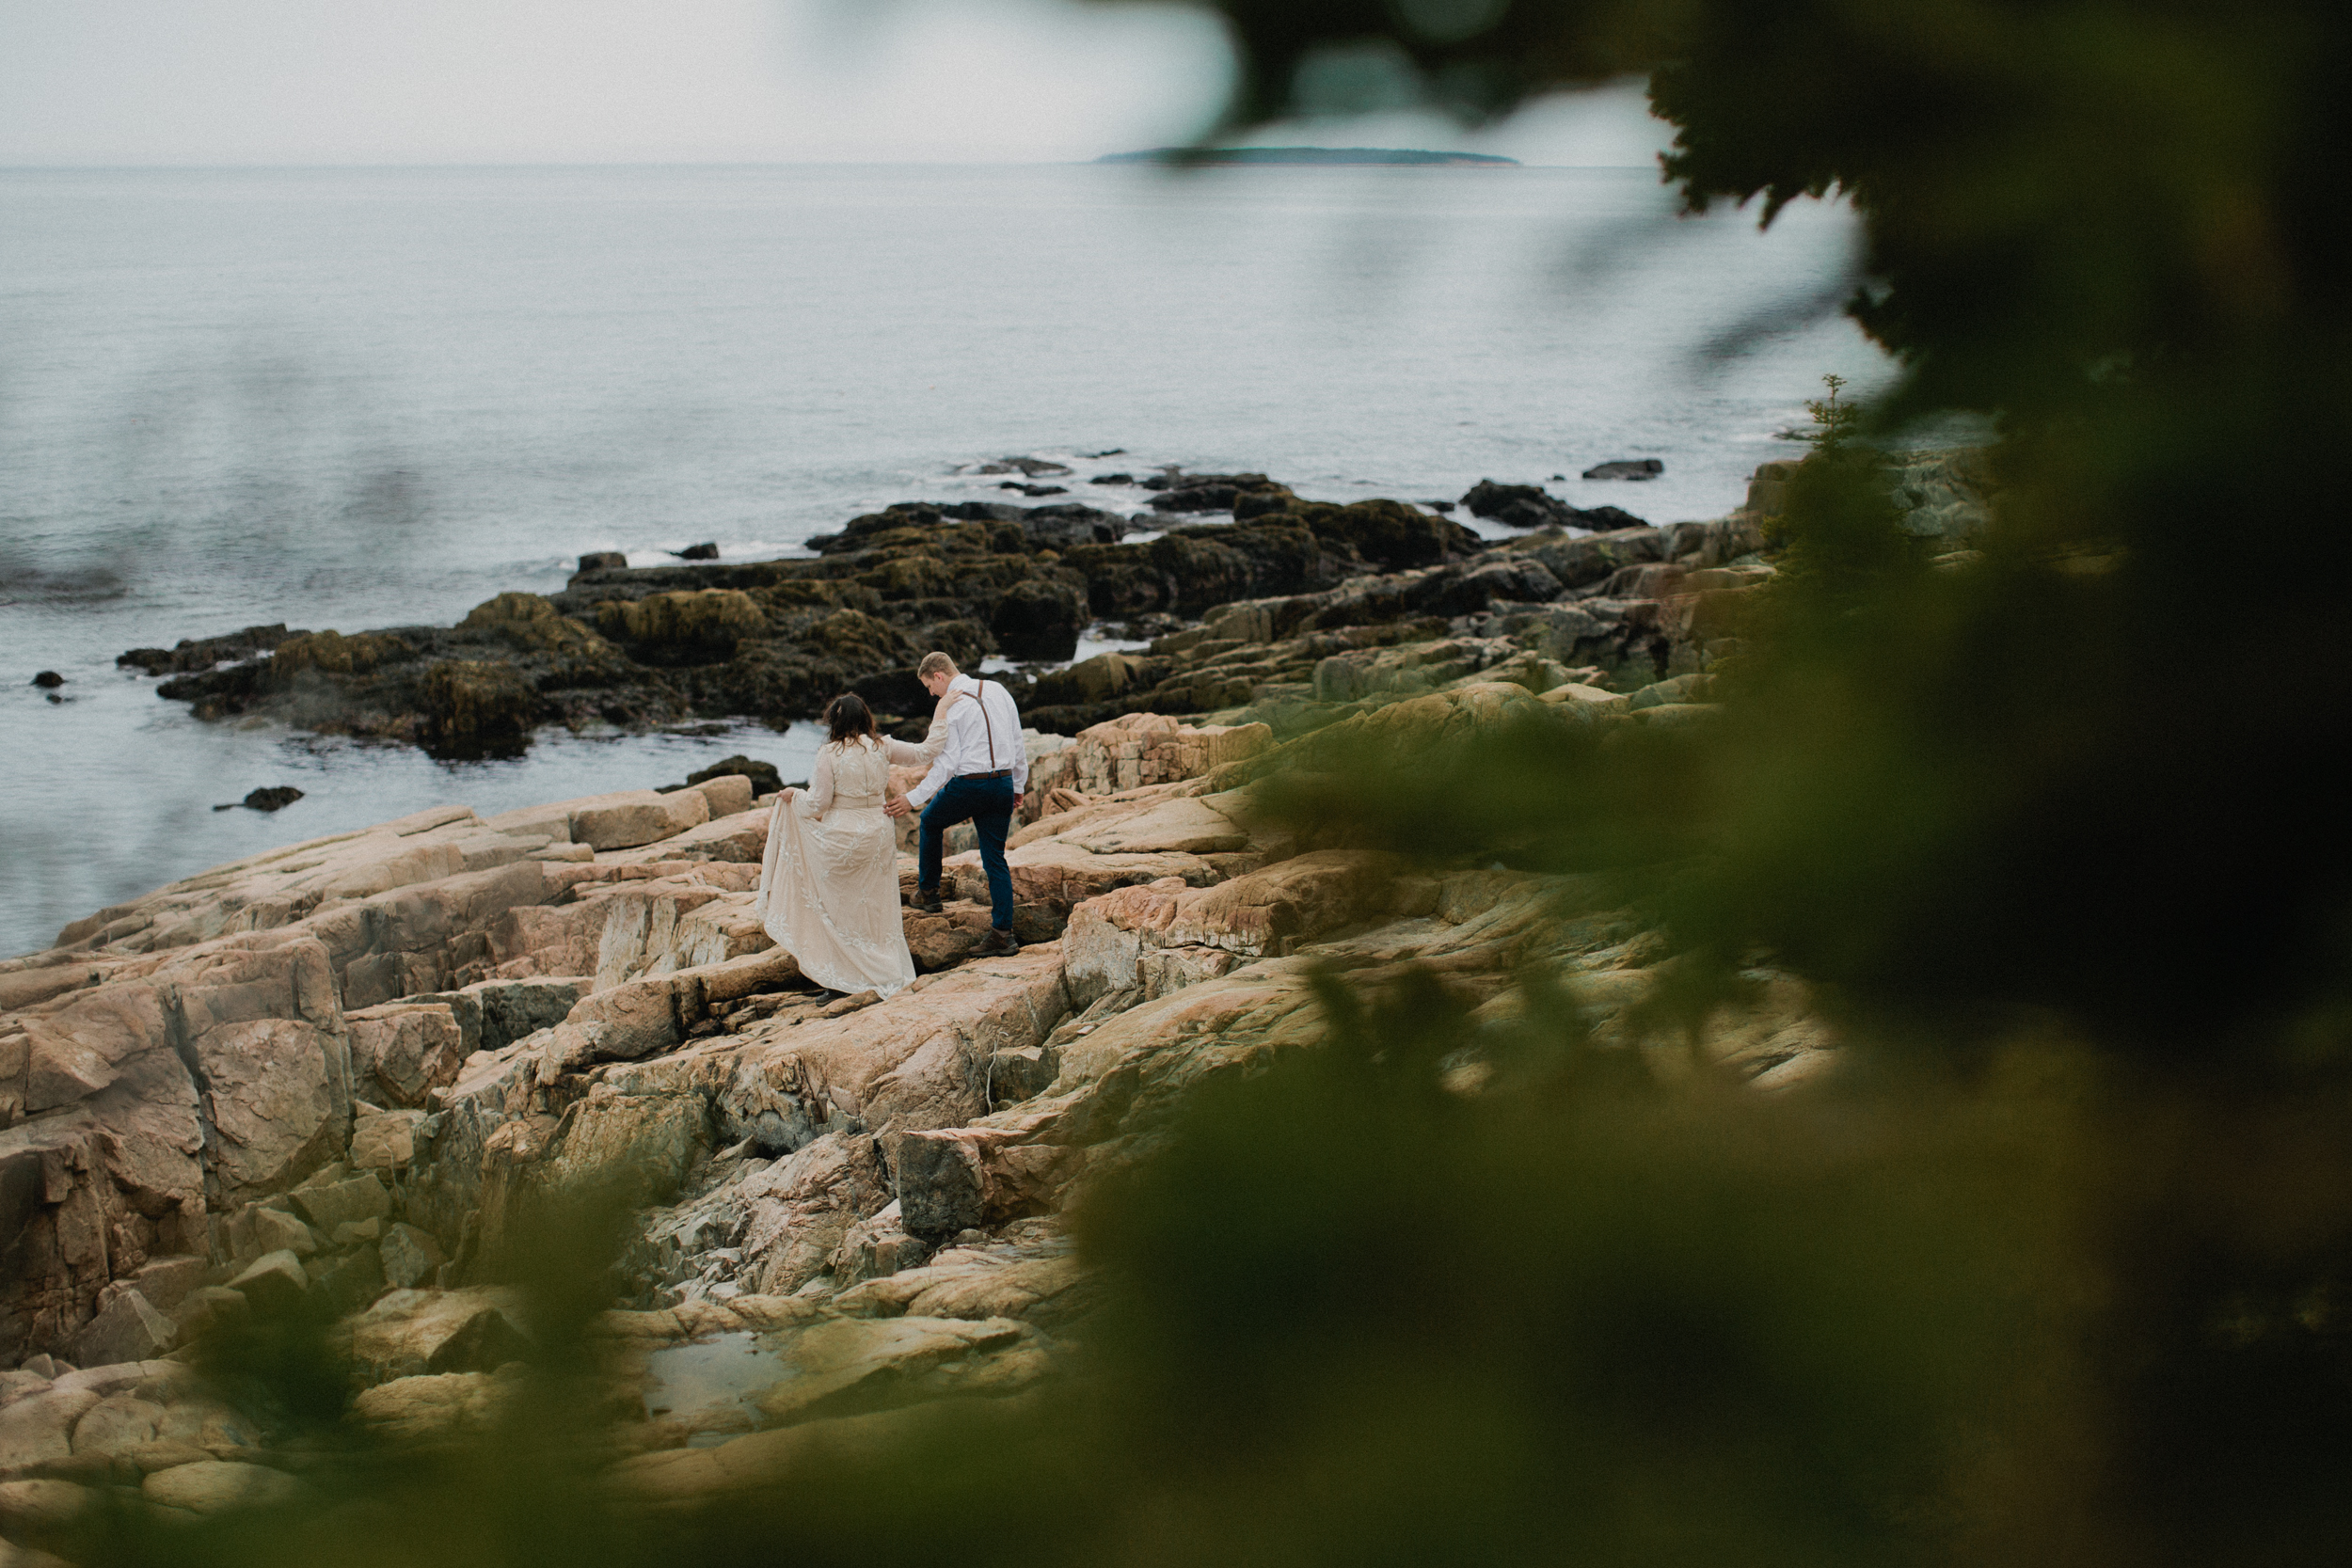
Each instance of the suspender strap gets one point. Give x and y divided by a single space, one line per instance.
978 698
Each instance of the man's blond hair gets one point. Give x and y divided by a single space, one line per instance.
935 664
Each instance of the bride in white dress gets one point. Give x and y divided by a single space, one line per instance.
829 887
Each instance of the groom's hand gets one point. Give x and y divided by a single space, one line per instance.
895 806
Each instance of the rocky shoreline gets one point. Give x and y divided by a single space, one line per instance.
346 1081
1294 582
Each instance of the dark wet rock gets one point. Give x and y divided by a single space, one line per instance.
1032 467
1034 490
1258 503
1038 619
894 691
1391 534
1059 527
1288 583
1112 479
707 551
1465 589
596 559
1444 507
1527 506
274 798
193 655
474 707
1179 491
1517 505
690 626
1099 679
765 779
49 680
1627 467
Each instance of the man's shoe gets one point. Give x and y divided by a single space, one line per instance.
998 943
925 899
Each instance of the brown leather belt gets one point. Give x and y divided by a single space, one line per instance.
1000 773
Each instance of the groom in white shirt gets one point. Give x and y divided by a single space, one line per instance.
978 771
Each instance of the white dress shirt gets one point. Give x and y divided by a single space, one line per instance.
982 735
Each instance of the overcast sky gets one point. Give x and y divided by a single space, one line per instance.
595 81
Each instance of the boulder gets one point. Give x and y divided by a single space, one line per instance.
470 707
117 1421
878 1247
39 1428
642 816
437 1406
1037 620
401 1052
128 1328
1627 467
219 1486
166 1282
273 1285
412 1332
35 1506
337 1203
276 1093
1517 505
960 1179
208 1307
1095 680
411 1257
799 1211
688 627
257 1229
763 776
384 1141
727 792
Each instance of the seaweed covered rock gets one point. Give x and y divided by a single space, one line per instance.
695 627
331 653
474 706
1287 585
1039 621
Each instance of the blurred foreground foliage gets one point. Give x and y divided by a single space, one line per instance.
1355 1315
2058 1268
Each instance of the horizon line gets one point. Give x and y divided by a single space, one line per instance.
95 166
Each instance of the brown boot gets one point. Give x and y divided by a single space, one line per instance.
998 943
925 899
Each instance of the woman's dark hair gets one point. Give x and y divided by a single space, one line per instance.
849 716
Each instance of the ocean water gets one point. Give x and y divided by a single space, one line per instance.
354 398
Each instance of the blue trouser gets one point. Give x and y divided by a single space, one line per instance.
987 804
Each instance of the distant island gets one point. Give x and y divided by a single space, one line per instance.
1301 155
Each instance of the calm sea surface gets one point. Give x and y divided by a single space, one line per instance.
360 398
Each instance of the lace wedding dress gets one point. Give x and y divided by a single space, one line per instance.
829 888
